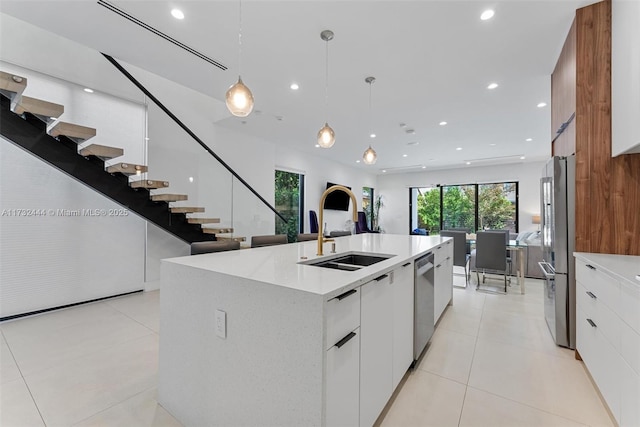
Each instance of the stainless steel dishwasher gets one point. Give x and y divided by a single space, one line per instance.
424 303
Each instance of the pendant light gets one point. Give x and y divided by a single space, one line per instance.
239 98
370 156
326 135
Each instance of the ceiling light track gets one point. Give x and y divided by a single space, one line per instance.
159 33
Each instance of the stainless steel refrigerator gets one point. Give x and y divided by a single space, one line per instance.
557 213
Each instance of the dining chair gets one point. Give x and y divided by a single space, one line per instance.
207 247
507 235
490 255
460 255
268 240
361 225
304 237
313 222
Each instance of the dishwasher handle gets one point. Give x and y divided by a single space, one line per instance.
424 264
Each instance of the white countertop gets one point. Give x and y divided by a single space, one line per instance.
278 265
623 267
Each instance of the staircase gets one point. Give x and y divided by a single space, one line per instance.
34 125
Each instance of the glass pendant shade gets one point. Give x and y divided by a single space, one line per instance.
370 156
326 136
239 99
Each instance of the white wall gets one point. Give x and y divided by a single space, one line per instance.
394 217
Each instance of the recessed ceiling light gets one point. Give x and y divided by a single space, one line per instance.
86 89
404 155
492 145
529 139
492 86
442 123
542 104
357 161
317 145
384 170
410 131
487 14
190 179
413 143
522 157
424 167
177 13
373 135
459 149
294 86
468 163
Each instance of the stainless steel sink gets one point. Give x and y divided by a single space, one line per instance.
348 261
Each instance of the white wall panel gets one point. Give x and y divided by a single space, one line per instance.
55 259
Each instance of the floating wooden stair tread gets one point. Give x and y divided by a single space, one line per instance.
38 107
203 220
150 184
75 132
127 168
10 83
169 197
101 151
217 230
235 239
186 210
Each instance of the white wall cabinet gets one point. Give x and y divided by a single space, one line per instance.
443 278
608 338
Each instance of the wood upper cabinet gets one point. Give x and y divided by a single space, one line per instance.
563 95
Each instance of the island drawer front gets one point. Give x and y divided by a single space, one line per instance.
343 316
343 382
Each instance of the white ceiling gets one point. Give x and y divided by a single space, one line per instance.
432 61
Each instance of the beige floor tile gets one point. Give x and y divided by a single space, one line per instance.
73 391
43 324
460 319
449 355
552 384
468 298
426 400
17 408
143 307
508 304
482 409
58 346
524 331
8 369
141 410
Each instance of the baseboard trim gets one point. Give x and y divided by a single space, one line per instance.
32 313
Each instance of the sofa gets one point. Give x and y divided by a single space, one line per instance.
533 253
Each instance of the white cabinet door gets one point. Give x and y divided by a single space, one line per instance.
630 394
443 278
343 381
376 344
403 294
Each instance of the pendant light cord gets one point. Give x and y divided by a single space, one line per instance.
370 109
326 86
239 37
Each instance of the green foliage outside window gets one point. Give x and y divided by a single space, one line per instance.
287 200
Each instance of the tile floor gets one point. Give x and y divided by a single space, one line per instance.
491 362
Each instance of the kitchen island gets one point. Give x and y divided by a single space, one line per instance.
256 337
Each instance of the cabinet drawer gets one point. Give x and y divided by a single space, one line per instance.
342 316
343 382
630 347
603 286
586 301
629 305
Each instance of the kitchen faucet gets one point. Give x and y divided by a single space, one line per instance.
328 191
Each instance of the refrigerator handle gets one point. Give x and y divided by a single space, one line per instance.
551 273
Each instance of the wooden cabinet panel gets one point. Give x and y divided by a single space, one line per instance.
563 84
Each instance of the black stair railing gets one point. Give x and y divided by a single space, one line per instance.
190 132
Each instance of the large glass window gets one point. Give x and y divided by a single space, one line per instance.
470 206
367 204
289 192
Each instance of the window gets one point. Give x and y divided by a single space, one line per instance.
367 204
470 206
289 196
